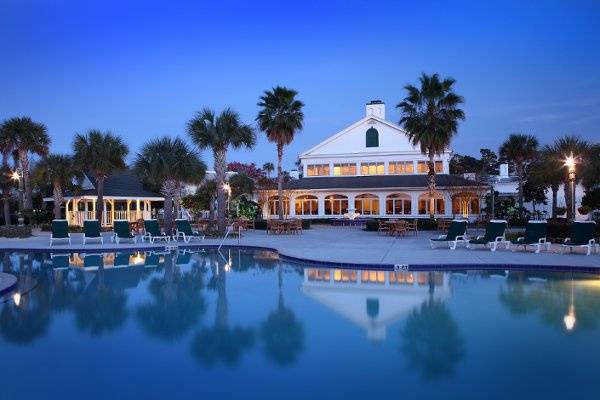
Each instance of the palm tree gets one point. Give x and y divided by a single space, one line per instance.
550 172
280 118
166 163
58 171
430 117
7 146
564 147
520 150
102 154
27 137
268 167
219 133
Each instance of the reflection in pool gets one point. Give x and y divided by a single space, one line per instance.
242 322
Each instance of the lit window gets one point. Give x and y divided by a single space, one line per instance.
318 170
373 168
344 169
424 205
306 205
273 201
400 167
398 204
336 204
423 167
366 204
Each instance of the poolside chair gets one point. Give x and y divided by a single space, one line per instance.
152 260
383 227
183 229
535 235
92 262
91 231
60 231
121 260
494 235
59 261
183 258
583 234
152 231
122 231
456 233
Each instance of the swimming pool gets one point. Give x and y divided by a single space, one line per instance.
244 324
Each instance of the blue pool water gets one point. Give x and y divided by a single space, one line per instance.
243 324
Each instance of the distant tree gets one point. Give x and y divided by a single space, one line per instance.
7 146
103 154
268 168
168 163
591 172
460 164
58 172
27 137
534 192
564 147
241 184
280 117
489 160
250 170
219 133
520 150
430 116
549 171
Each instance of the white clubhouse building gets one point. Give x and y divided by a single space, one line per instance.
370 168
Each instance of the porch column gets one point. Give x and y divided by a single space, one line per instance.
67 210
414 203
128 207
321 204
382 197
137 210
292 205
447 204
351 198
112 210
104 214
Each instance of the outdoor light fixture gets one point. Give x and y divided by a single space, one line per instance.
227 188
17 175
570 164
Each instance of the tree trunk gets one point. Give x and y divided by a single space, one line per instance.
58 199
279 180
6 192
211 210
567 190
220 168
520 178
100 198
554 189
431 183
24 161
177 201
169 189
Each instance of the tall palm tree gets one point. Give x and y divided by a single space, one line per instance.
103 154
27 137
167 163
7 146
219 133
280 118
58 171
551 172
570 145
268 167
430 116
520 150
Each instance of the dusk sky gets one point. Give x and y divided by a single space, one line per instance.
142 69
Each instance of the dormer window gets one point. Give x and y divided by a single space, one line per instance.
372 137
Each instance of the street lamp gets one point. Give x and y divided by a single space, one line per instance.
227 188
17 175
570 164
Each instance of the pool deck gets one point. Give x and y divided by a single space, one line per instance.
347 245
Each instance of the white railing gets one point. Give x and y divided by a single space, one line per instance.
77 217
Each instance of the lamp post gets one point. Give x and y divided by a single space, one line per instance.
227 188
18 176
570 164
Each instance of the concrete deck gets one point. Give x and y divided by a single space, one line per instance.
349 245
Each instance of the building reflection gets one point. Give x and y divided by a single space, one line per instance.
373 299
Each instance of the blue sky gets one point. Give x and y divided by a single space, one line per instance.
143 68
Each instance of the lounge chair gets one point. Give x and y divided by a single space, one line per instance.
183 258
583 234
494 235
92 262
121 260
183 229
91 231
122 232
60 231
152 260
456 233
60 261
152 231
535 235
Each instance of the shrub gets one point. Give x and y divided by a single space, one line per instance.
584 210
15 231
261 224
561 210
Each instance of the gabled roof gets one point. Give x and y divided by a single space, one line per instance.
378 182
122 184
351 127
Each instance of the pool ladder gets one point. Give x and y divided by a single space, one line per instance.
227 232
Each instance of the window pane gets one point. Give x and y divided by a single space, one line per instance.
392 168
407 207
364 169
409 168
422 206
380 169
439 167
337 170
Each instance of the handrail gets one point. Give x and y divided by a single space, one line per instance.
227 232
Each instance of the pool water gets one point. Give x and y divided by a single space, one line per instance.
244 324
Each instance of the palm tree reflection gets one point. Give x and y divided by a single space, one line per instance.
431 340
282 333
221 343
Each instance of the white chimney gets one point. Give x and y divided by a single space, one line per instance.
503 170
294 174
376 108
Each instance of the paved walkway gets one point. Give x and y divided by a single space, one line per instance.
351 245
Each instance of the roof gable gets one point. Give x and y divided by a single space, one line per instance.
392 138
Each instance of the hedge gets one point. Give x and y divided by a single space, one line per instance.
262 224
15 231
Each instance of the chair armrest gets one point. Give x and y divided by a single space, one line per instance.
441 236
542 240
461 237
566 240
479 237
520 238
499 239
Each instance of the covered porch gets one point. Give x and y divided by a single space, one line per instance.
79 209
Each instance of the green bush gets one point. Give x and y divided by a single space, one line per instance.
561 210
15 231
584 210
